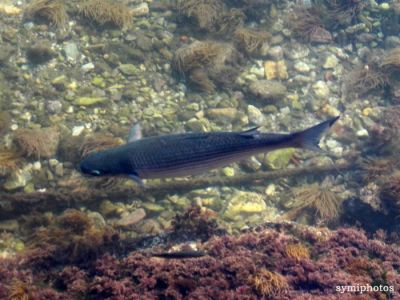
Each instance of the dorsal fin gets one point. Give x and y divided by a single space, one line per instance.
135 133
252 132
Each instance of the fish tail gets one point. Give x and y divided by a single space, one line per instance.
309 138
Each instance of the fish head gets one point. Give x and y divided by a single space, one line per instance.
95 165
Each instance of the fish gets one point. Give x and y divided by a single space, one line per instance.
184 154
180 254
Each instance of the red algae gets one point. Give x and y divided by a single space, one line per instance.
269 262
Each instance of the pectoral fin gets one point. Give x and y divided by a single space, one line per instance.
137 179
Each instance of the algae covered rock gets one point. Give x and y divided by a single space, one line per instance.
279 159
268 90
245 203
88 101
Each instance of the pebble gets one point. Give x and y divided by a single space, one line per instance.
71 52
128 69
331 62
140 10
321 89
131 218
222 114
245 202
255 115
18 179
298 51
228 171
87 67
270 70
362 132
53 106
276 52
88 101
77 130
268 89
302 67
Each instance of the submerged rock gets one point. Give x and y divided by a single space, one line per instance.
245 203
131 218
269 90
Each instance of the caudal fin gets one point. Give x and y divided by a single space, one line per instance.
309 138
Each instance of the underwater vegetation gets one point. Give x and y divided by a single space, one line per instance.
9 161
40 52
205 13
321 199
314 22
365 78
52 11
390 194
98 142
72 237
380 71
211 15
5 122
251 265
297 251
250 40
268 284
307 24
195 223
105 12
38 142
208 64
377 169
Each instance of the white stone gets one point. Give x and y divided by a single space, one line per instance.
77 130
87 67
36 166
362 132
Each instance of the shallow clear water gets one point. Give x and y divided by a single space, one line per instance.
76 76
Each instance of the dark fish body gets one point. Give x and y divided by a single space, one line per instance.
180 254
192 153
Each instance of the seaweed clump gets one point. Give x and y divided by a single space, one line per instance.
52 11
195 223
72 237
98 142
211 15
39 142
390 194
308 24
205 13
269 284
250 40
319 198
208 64
106 12
365 78
9 161
314 22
